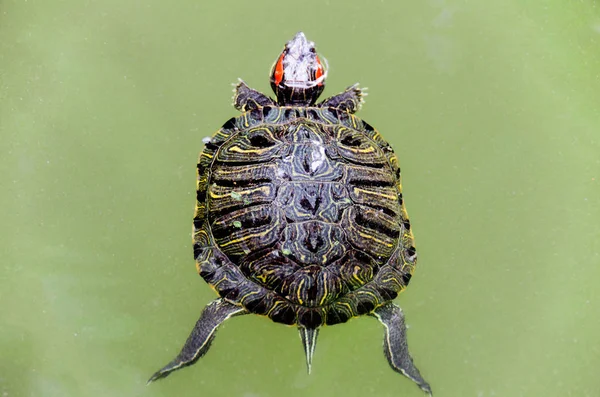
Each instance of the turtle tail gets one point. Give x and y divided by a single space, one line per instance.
309 340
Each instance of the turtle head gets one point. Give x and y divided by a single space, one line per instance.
298 77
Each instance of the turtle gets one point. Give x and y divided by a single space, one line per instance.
300 216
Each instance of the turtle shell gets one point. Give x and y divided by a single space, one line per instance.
300 217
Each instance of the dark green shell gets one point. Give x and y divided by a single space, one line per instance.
300 217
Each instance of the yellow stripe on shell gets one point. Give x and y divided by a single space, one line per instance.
298 291
392 197
325 289
370 237
245 238
213 195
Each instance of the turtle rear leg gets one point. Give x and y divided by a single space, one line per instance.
199 341
246 98
350 100
395 345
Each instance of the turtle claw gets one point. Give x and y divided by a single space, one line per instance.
350 100
246 98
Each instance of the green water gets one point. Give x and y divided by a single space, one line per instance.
493 108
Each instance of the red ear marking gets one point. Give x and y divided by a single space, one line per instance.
319 71
278 74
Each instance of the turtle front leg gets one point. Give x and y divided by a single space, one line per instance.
246 98
395 345
198 342
350 100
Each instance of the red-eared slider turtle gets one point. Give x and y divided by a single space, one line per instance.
299 215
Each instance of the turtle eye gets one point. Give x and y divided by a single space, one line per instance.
278 70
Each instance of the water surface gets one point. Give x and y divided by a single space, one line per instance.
492 108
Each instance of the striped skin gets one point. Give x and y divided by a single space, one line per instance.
299 216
